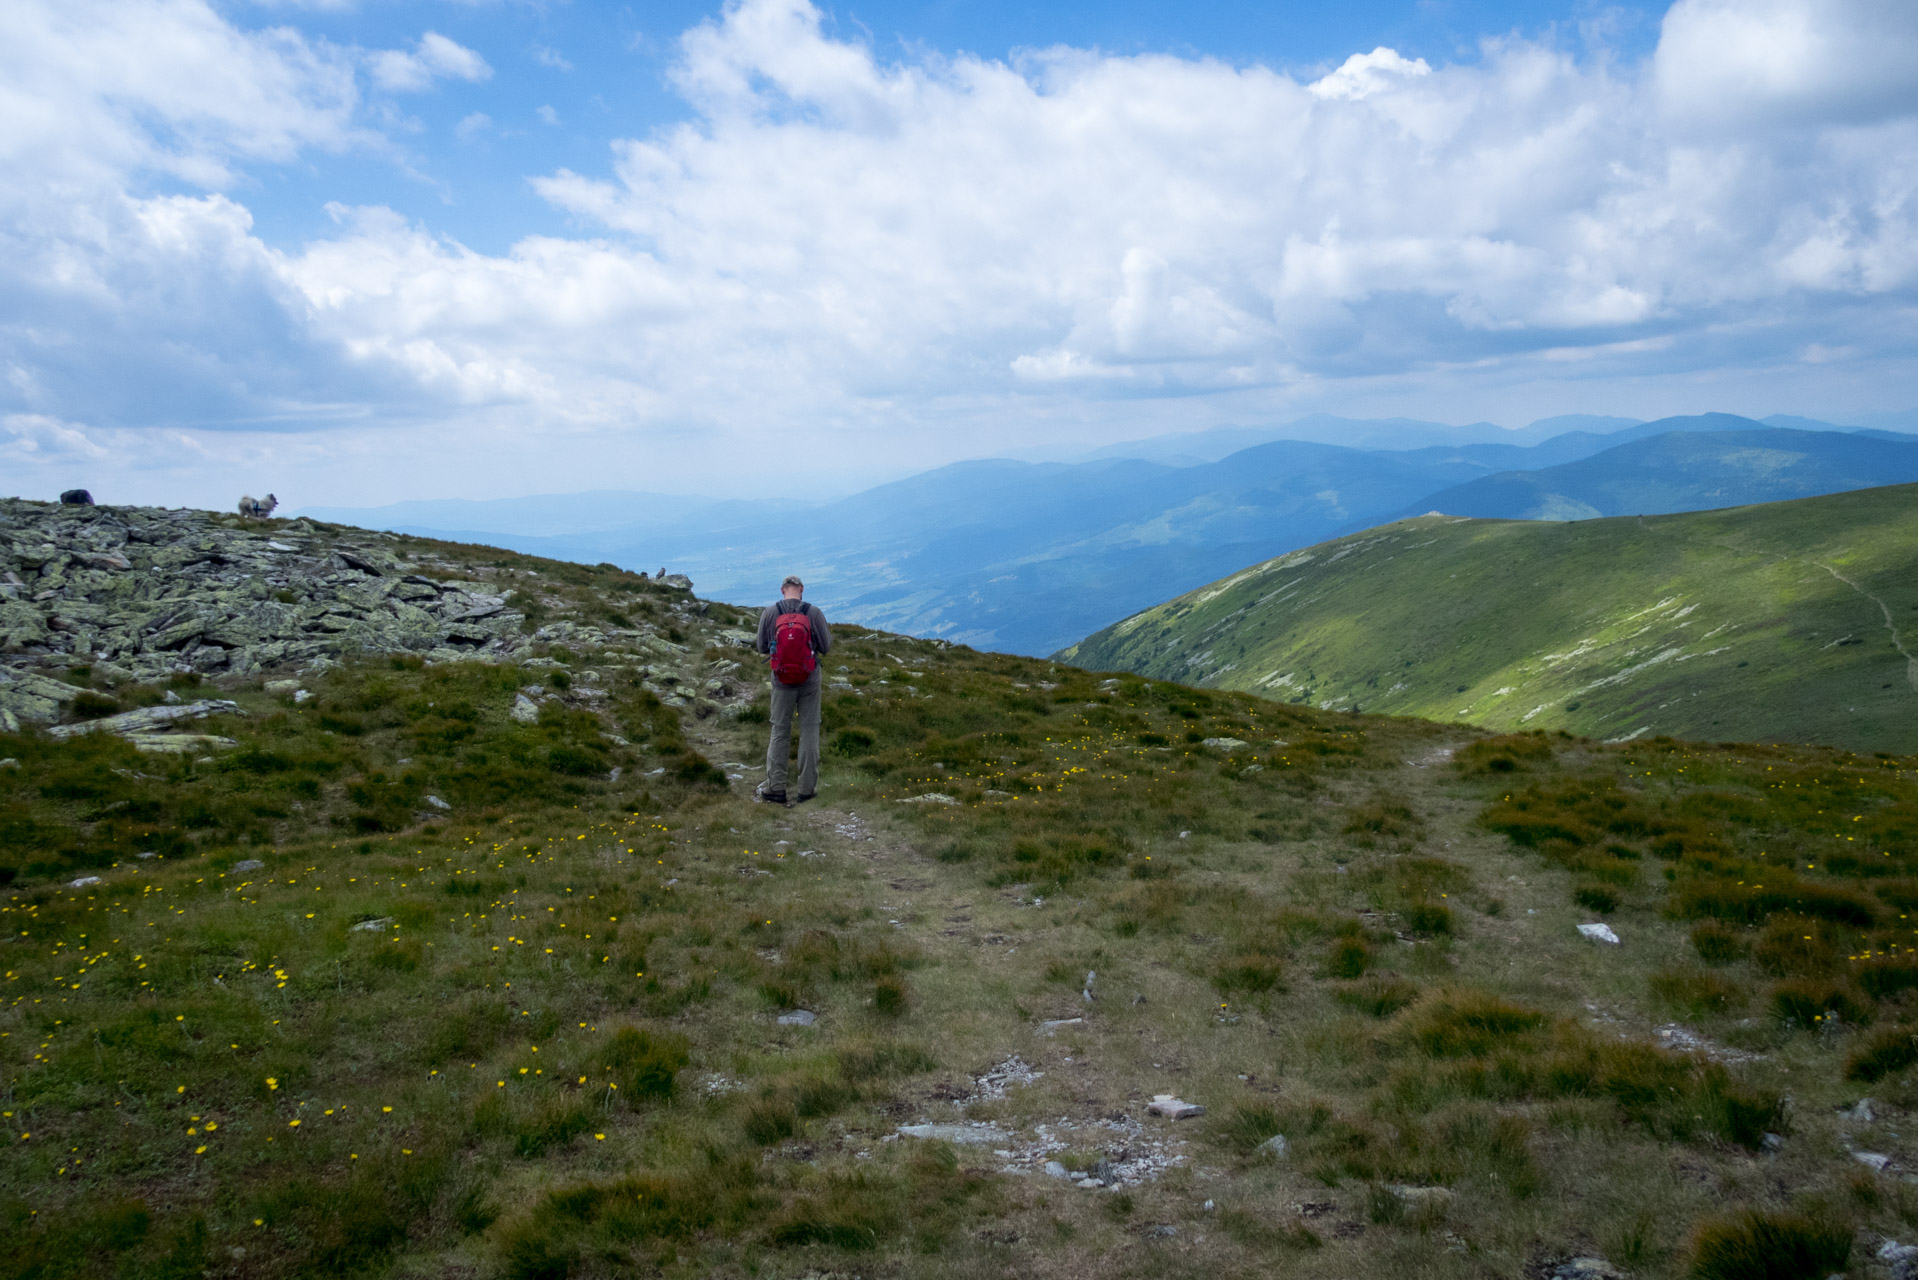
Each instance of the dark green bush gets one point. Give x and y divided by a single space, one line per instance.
1888 1052
645 1064
1350 958
770 1120
1473 1023
1596 897
889 996
93 706
1717 943
1254 972
1811 1002
1430 919
1697 995
1761 1245
1379 997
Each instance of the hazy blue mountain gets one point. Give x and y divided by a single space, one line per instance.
1904 421
1687 471
1195 447
1029 557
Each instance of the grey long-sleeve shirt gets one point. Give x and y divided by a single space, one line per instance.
821 634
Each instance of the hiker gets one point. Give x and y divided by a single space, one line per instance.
794 636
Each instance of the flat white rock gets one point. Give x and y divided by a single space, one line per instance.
1164 1104
1599 933
964 1134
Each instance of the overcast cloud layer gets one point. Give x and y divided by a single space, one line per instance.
871 265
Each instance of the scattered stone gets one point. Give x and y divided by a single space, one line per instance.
1679 1037
1421 1197
1172 1108
1087 993
248 864
525 710
1871 1159
180 743
372 926
143 594
1901 1259
992 1084
1599 933
147 854
300 696
976 1135
1273 1148
1772 1142
1054 1024
931 797
1587 1269
148 719
438 803
84 882
798 1018
1223 744
1863 1113
1055 1170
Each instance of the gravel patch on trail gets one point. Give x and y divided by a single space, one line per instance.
1129 1153
991 1085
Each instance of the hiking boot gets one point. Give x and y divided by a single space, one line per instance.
771 797
808 796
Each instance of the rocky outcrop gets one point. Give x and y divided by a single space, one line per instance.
142 593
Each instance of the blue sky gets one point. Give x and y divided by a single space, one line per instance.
568 79
356 251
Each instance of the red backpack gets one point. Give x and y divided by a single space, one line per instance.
792 660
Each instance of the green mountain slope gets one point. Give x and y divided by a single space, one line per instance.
1790 621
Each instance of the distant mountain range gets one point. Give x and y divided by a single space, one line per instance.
1028 557
1792 621
1689 471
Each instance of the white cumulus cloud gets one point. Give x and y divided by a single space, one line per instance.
435 57
926 257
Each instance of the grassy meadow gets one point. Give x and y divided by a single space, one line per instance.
1785 622
410 987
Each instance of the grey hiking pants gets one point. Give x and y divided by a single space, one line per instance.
787 699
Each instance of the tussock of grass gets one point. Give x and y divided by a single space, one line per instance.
644 1064
1379 997
1759 1245
1888 1051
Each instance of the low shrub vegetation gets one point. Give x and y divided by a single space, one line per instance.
412 985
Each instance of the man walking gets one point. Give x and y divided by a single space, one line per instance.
794 636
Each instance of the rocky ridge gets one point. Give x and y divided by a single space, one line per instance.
139 595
